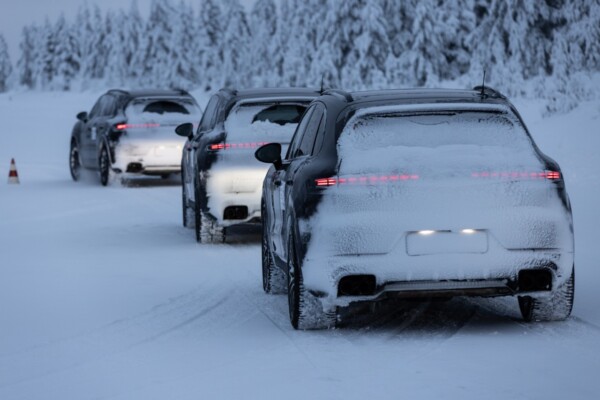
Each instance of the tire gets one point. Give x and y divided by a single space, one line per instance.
306 311
210 231
206 228
274 279
188 217
197 218
556 307
74 161
106 173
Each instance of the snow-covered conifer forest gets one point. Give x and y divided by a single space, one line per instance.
350 44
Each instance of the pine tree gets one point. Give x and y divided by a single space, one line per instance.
66 58
365 63
117 67
326 60
210 52
263 21
46 51
423 60
582 33
235 47
132 37
458 19
26 62
5 65
298 57
280 41
399 16
157 61
86 31
490 48
183 47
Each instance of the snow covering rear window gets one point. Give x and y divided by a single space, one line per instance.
435 130
434 140
263 122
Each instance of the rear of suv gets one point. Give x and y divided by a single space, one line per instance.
415 193
222 181
129 133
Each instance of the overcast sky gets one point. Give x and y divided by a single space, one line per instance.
14 14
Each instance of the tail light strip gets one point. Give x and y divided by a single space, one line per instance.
551 175
122 127
323 182
333 181
228 146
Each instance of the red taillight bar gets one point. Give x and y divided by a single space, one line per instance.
361 180
122 127
551 175
228 146
333 181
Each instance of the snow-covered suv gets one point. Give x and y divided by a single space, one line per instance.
222 181
415 193
130 132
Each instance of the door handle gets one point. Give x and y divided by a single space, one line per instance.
277 182
290 182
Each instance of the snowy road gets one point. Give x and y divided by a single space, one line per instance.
103 295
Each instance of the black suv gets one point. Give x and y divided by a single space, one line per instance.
414 193
130 132
222 181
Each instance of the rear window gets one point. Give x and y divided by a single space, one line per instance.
436 129
252 122
435 141
163 110
164 106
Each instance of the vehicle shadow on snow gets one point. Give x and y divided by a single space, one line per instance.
429 317
244 234
151 181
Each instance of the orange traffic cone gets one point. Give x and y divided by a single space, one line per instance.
13 176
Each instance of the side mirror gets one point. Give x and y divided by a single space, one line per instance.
185 130
82 116
269 153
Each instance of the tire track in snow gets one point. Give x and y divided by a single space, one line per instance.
115 338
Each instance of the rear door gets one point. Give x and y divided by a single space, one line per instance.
89 137
191 147
278 186
301 152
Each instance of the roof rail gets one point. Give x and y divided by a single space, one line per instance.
337 92
232 92
487 91
181 90
118 90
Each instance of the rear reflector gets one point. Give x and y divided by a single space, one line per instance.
122 127
228 146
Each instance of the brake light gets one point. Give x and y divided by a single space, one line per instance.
122 127
229 146
550 175
362 180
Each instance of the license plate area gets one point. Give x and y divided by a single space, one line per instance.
446 242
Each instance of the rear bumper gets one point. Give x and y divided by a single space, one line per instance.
234 194
151 160
398 274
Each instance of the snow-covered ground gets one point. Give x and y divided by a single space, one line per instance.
104 295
